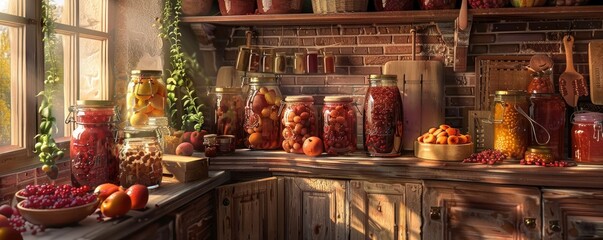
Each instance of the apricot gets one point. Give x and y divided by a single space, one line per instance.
468 138
420 139
444 126
429 139
453 140
438 131
462 139
432 130
442 140
442 134
452 131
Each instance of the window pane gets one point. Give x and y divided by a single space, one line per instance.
92 13
5 86
60 54
91 56
61 11
11 7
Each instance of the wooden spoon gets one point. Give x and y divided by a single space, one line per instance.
463 16
570 78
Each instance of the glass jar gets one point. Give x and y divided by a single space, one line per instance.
145 97
210 142
587 137
230 113
298 122
511 135
339 125
267 61
312 61
166 136
140 158
329 62
541 84
548 110
383 117
393 5
92 148
226 144
254 61
299 67
539 154
437 4
280 62
262 123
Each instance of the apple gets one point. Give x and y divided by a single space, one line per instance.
186 137
197 139
185 149
139 194
312 146
6 210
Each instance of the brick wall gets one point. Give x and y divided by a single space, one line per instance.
10 184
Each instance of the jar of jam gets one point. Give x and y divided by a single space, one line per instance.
339 125
230 113
329 62
587 137
226 144
298 122
262 122
92 148
548 110
539 154
383 117
541 83
145 97
312 61
140 158
511 127
210 141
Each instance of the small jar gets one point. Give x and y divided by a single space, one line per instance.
548 110
587 137
329 62
541 84
511 128
163 130
226 144
254 61
230 113
280 63
383 117
140 158
299 66
145 97
211 145
539 154
262 122
298 122
339 125
312 61
267 61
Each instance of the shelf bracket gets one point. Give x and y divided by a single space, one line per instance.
457 43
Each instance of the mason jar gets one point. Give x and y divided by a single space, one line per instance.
339 125
145 97
511 126
140 158
230 113
548 110
298 122
383 117
539 154
262 123
587 137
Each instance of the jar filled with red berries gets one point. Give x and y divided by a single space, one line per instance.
339 125
511 126
298 122
548 110
383 117
230 113
587 137
92 148
140 158
262 122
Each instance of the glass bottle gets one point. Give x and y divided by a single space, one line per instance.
254 61
541 83
587 137
145 97
140 158
211 145
383 117
280 63
267 62
312 61
299 66
230 113
92 148
511 127
262 123
165 135
548 110
339 125
298 122
329 62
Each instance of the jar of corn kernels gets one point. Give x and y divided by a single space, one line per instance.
511 126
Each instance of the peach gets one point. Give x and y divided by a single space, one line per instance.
437 131
452 131
420 139
443 133
442 140
444 126
432 130
462 139
468 138
453 140
429 139
184 149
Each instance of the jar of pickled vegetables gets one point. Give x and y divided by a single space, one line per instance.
511 126
298 122
339 125
587 137
92 148
262 123
140 158
145 97
383 117
230 113
548 110
539 154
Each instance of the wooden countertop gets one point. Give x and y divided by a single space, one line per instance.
359 166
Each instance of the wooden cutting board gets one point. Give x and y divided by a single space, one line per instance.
421 85
185 168
595 63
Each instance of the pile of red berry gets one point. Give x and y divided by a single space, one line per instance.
53 197
550 164
10 217
487 156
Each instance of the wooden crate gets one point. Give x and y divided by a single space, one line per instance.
184 168
499 73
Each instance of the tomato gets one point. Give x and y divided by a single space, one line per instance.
139 194
117 204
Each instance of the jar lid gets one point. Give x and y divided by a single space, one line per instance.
95 103
208 136
539 149
228 90
312 51
146 72
281 54
300 98
383 77
510 92
263 79
338 99
588 117
158 121
225 138
140 132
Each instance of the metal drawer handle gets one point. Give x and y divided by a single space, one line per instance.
554 226
530 222
435 213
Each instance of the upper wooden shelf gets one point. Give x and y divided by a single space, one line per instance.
417 16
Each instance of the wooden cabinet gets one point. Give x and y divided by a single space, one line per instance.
572 214
480 211
385 210
196 220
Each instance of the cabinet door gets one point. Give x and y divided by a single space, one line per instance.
248 210
315 209
573 214
196 219
385 211
479 211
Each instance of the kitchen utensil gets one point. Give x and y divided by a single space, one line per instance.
463 16
421 84
242 63
570 81
595 63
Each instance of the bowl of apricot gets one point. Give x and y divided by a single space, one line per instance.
443 143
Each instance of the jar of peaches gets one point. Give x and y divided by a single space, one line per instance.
339 125
230 113
383 117
587 137
145 97
511 126
298 122
262 123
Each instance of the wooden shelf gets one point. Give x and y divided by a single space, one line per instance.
417 16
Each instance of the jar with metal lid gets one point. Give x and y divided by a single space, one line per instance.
230 113
587 137
383 117
312 61
210 141
140 158
541 83
92 148
328 62
145 97
511 126
280 62
167 136
262 123
539 154
226 144
548 110
339 125
298 122
299 65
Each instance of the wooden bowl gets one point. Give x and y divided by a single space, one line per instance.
443 152
57 217
19 197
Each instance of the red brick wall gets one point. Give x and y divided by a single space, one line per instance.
12 183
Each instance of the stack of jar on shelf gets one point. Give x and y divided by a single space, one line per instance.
267 60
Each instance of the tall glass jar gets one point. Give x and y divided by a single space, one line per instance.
511 127
541 84
383 117
339 125
587 137
262 122
140 158
548 110
230 113
145 97
298 122
92 148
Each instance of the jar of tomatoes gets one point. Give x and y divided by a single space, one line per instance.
587 137
339 125
298 122
145 97
230 113
262 123
548 110
511 135
383 117
92 148
140 158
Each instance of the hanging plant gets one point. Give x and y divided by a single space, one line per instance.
46 147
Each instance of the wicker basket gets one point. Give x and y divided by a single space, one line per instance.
339 6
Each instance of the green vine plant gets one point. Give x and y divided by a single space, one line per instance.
179 83
46 147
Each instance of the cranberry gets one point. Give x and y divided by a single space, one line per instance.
383 120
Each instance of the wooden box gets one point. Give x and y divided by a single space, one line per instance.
184 168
